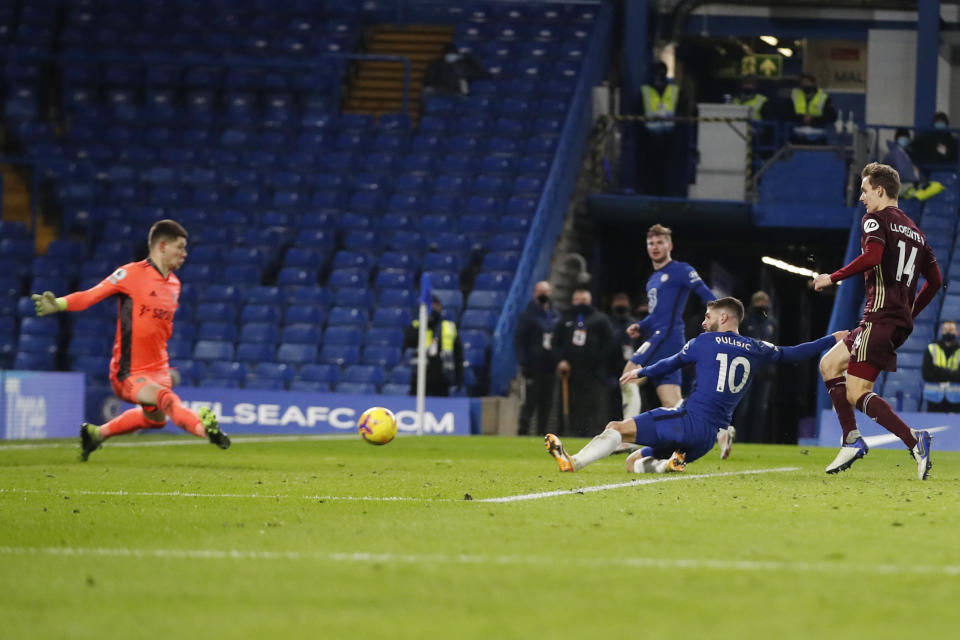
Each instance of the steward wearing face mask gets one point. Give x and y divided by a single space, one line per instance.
659 155
584 342
452 73
444 353
936 146
941 371
533 343
811 105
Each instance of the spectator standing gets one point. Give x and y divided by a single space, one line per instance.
584 341
452 73
533 344
937 146
812 110
658 142
760 106
941 371
752 415
621 318
444 352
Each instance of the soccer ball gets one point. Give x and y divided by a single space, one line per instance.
377 425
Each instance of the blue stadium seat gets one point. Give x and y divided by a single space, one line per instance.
476 359
349 277
480 299
30 361
263 295
263 332
217 330
353 259
327 373
210 381
394 279
501 261
354 297
179 348
362 373
395 389
400 374
385 357
297 353
343 335
304 314
228 369
266 383
301 334
296 276
340 354
359 388
347 316
380 336
256 351
224 311
474 339
443 279
213 350
483 319
391 317
260 313
309 385
31 325
451 299
405 298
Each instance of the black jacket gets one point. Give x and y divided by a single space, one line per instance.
446 76
593 357
528 340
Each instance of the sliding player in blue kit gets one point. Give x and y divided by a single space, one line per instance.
668 289
673 437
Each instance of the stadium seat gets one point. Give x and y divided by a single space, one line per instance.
360 297
260 313
405 298
296 353
394 279
385 357
481 299
213 350
362 373
326 373
340 354
217 330
301 334
252 352
391 317
232 370
483 319
304 314
474 339
395 389
382 336
347 316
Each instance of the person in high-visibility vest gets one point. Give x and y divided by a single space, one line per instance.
657 144
941 363
444 353
759 104
811 105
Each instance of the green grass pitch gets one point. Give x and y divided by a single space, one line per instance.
335 538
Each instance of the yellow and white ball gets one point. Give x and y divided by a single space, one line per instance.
377 425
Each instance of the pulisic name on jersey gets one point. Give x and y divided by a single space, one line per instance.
907 231
733 341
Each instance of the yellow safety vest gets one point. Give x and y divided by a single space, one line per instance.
755 103
812 108
940 358
656 104
448 335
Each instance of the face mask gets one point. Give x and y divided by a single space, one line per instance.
451 57
810 90
949 337
621 310
582 308
543 299
903 141
939 125
435 317
760 309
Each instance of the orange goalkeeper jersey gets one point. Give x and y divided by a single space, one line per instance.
146 303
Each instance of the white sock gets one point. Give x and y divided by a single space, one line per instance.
647 464
630 393
600 447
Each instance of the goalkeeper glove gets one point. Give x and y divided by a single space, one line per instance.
48 303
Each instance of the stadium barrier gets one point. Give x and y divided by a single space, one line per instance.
261 411
548 218
40 404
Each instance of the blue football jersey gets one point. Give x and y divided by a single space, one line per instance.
726 362
667 292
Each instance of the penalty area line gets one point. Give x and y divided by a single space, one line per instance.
633 483
619 562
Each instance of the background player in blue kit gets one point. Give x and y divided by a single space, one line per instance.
725 361
668 289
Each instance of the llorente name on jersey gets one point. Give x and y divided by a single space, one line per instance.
907 231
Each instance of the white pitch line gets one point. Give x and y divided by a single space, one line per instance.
633 483
887 438
514 498
760 566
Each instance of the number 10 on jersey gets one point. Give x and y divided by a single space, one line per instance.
727 375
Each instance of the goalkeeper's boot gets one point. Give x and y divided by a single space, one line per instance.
90 440
676 463
854 449
214 433
555 448
725 438
921 453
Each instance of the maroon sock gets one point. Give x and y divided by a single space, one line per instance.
878 409
837 388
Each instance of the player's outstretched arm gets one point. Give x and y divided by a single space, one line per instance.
46 303
806 350
870 258
657 369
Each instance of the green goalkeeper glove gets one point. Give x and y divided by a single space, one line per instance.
48 303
